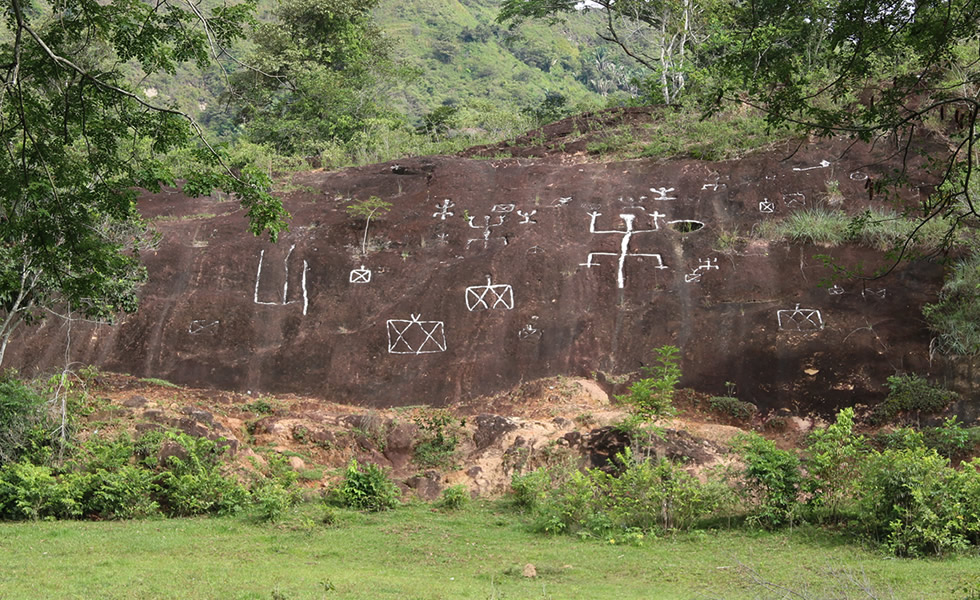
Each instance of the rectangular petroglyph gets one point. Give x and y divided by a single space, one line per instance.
800 319
489 297
413 336
284 299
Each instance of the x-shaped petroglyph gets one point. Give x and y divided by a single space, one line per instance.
501 295
800 319
432 333
361 275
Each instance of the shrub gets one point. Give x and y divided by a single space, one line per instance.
26 426
955 318
29 491
915 503
370 489
438 439
126 492
454 497
908 393
652 398
772 478
195 485
833 459
733 407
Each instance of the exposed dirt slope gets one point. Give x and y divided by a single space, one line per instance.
490 273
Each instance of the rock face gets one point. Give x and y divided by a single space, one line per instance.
487 273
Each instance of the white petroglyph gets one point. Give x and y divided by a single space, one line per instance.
858 176
444 209
285 285
561 202
502 208
794 198
442 238
662 193
706 265
767 207
799 319
836 290
529 331
413 336
486 227
199 325
489 296
714 187
878 294
526 216
362 275
627 234
823 165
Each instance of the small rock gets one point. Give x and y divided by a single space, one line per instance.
297 463
530 571
135 402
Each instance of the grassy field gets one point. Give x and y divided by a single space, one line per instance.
419 552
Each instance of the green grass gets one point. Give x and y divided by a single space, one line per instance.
417 552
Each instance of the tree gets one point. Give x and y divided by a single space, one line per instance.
662 35
870 70
367 210
314 76
78 143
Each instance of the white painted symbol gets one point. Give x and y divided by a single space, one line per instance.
361 275
858 176
489 297
770 177
415 336
199 325
800 319
444 209
714 187
706 265
527 217
767 207
878 294
562 202
823 165
443 238
794 198
486 227
529 330
534 250
836 290
624 245
686 225
285 286
663 193
502 208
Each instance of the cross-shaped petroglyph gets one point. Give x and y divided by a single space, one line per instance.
706 265
823 165
362 275
530 331
199 325
526 216
662 193
444 209
624 245
767 206
489 296
285 285
416 337
800 319
486 227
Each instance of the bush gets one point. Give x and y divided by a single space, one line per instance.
911 393
955 318
438 439
454 497
29 491
127 492
370 489
733 407
26 426
915 503
194 485
772 478
652 398
833 458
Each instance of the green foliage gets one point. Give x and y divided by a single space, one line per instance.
314 75
911 393
194 484
733 407
438 438
832 460
454 497
955 318
915 503
438 122
652 398
369 489
29 491
773 480
368 209
643 496
552 108
25 426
